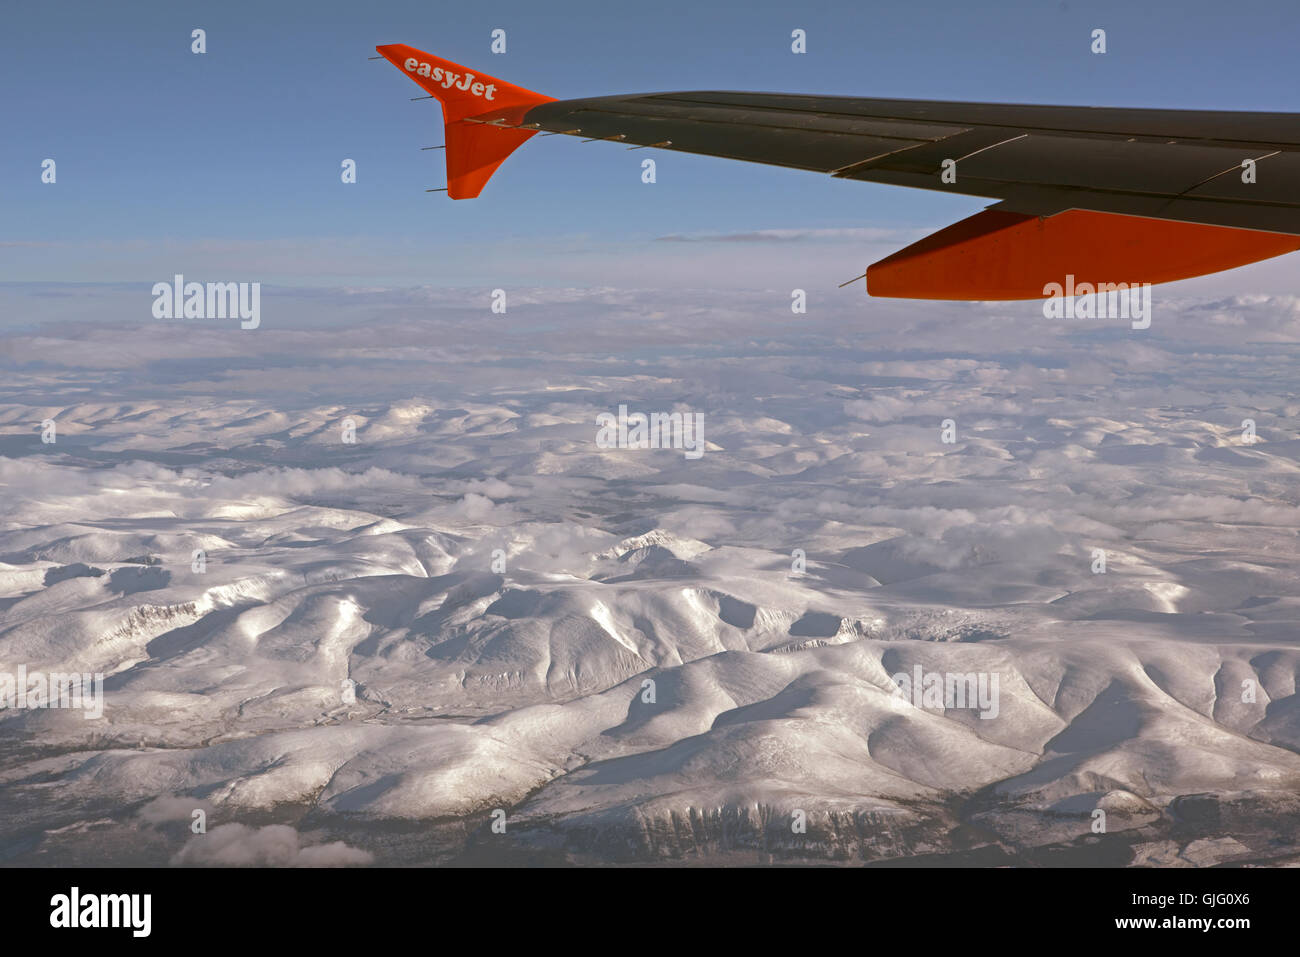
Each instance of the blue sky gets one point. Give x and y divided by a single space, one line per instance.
229 161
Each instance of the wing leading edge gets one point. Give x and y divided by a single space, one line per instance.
1103 195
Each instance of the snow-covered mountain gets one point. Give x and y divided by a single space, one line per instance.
632 655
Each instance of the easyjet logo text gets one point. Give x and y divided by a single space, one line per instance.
451 80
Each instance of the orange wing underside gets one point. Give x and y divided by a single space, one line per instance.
996 255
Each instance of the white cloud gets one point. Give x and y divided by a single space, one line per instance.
276 845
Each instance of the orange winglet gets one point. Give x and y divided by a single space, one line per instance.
997 255
474 149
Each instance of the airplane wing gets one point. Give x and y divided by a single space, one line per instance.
1123 196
